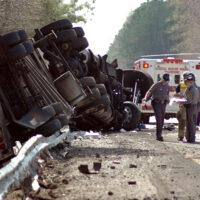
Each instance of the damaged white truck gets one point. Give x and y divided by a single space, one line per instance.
53 80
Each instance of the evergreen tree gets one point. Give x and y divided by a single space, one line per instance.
144 32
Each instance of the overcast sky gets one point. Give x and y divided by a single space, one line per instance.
109 17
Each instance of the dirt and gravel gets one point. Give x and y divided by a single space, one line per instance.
124 166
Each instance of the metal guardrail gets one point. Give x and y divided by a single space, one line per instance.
18 167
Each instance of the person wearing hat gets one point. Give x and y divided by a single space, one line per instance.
192 97
181 114
159 93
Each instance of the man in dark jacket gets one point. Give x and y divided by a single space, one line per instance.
159 93
192 98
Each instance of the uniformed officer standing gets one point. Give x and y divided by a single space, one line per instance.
159 93
192 98
181 114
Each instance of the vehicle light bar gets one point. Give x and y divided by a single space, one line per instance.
172 60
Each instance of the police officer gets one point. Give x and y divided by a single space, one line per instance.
159 93
181 114
192 97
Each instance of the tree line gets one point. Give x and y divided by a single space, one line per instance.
157 27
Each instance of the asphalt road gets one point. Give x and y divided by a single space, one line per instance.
130 165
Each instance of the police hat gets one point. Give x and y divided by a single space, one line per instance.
166 77
190 77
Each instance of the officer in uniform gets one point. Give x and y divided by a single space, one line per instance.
159 94
192 97
181 114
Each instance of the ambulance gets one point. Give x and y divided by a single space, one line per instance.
156 67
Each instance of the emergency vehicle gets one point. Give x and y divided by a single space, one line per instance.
156 67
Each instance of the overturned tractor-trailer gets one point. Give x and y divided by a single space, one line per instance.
53 80
100 100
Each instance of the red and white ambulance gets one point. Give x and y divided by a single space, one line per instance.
156 68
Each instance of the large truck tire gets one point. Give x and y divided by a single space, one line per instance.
66 36
88 81
17 52
103 78
133 116
91 97
101 88
54 108
97 105
11 39
79 44
79 31
23 36
56 26
106 117
29 47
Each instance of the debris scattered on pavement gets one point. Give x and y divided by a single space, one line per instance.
97 155
132 166
122 130
79 135
97 166
116 162
35 184
110 193
65 181
132 182
134 131
84 169
162 166
164 151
